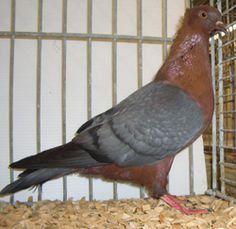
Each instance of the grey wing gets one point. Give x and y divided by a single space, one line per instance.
155 121
98 119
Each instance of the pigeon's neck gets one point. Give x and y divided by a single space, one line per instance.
188 51
188 67
186 44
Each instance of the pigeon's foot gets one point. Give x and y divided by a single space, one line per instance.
177 204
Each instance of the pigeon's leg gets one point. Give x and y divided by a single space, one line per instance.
176 204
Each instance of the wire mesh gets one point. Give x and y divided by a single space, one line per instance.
220 139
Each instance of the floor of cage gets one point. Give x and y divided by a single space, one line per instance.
131 214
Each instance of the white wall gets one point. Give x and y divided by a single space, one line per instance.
24 100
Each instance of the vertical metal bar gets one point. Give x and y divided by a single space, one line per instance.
187 3
89 75
190 149
230 88
164 28
191 3
11 88
38 88
191 171
221 107
214 133
140 57
139 46
63 87
164 35
231 73
233 85
114 71
227 10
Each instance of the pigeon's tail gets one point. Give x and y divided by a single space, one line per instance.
70 155
31 178
49 164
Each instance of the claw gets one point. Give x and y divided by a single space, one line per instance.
177 204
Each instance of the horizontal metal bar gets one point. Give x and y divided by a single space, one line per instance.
228 165
228 10
83 36
228 112
226 101
231 24
227 77
228 147
229 94
227 60
229 116
227 43
220 195
227 84
228 130
228 181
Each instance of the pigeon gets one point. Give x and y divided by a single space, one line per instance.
137 140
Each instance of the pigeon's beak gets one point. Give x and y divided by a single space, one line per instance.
220 27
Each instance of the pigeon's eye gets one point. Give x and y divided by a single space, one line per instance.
203 14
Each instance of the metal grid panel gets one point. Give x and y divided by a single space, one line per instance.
223 132
89 37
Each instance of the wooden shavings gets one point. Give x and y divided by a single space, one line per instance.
146 207
122 214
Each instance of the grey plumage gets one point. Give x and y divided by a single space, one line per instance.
155 121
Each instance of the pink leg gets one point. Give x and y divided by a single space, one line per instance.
175 203
177 200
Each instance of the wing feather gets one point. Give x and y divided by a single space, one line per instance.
155 121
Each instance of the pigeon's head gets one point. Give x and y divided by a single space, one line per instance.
206 18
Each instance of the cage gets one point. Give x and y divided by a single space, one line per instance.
220 137
62 62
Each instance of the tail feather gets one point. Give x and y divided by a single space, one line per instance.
69 155
26 172
49 164
34 178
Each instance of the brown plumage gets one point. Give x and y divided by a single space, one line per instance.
137 140
150 176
